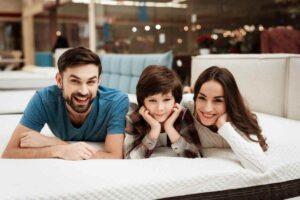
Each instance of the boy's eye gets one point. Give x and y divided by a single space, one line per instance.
167 99
152 100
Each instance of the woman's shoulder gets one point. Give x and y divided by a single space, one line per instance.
188 102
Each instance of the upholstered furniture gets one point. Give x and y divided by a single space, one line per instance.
270 83
123 71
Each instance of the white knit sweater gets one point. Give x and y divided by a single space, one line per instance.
249 153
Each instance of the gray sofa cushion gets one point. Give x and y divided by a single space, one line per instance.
122 71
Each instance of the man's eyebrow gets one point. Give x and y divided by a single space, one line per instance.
93 77
76 77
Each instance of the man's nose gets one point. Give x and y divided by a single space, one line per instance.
83 89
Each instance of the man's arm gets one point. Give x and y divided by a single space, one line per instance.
113 147
23 140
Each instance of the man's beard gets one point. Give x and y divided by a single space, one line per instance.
79 108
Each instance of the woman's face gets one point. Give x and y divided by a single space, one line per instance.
210 103
160 106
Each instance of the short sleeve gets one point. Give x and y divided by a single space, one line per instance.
117 120
34 116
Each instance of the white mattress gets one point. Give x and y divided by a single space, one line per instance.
32 79
152 178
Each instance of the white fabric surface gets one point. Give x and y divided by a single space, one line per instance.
293 107
33 78
148 178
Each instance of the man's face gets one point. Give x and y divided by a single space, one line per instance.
79 87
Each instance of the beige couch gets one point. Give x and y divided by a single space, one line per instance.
270 83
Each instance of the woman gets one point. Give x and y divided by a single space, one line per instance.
159 120
223 120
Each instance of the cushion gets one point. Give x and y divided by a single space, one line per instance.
123 71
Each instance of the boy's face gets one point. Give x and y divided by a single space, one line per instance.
79 87
160 106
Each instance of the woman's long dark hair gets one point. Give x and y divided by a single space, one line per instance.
239 114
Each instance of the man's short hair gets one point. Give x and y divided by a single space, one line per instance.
78 56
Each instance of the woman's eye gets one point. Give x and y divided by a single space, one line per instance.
201 98
218 100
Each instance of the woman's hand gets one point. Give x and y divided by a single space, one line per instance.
154 124
222 120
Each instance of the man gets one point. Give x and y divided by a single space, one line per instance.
76 109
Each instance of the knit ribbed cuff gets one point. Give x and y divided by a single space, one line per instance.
149 143
180 145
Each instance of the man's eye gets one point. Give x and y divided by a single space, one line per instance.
91 82
74 81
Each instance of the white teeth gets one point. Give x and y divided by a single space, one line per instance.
208 116
82 98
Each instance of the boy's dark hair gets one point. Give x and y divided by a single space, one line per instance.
158 79
78 56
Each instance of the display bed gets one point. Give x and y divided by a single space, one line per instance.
32 78
217 176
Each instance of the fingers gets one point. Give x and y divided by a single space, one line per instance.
90 148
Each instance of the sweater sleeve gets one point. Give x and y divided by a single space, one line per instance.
142 150
249 153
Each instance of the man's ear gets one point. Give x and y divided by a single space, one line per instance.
99 80
59 80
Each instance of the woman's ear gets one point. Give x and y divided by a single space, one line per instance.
59 80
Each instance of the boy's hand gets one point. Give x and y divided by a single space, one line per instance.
172 118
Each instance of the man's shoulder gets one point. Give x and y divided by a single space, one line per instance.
50 92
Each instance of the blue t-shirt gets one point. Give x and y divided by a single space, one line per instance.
107 115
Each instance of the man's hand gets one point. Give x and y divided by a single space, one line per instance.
34 139
76 151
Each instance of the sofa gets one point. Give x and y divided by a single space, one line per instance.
219 175
123 71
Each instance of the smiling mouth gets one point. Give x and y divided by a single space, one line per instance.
207 115
81 99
